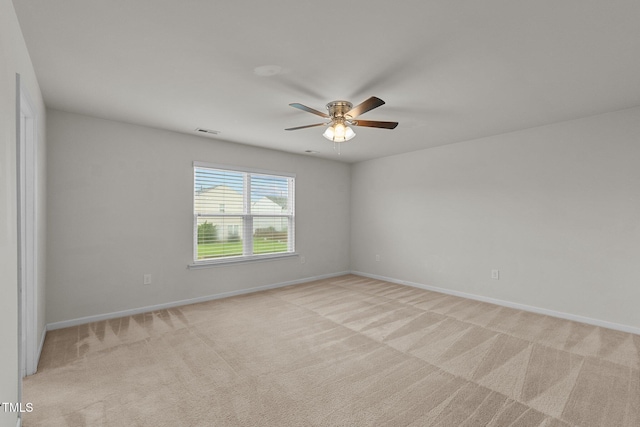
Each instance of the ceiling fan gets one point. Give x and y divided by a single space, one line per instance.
342 115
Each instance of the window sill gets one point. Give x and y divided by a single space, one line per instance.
240 260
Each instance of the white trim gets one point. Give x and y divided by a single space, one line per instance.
19 422
146 309
240 259
246 215
27 170
518 306
44 336
247 220
231 168
123 313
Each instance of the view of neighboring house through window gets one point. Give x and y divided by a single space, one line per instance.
242 213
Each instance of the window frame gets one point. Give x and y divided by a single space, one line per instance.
247 217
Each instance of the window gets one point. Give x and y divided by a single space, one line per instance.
241 214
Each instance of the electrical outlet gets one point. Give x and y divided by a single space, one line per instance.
495 274
146 279
302 260
377 258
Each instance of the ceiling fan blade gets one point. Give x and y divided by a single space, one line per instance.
310 110
365 106
307 126
375 124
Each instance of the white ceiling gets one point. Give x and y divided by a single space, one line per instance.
449 70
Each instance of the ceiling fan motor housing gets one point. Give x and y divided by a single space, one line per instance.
343 113
339 108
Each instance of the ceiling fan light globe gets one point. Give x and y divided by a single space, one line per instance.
349 133
339 133
329 133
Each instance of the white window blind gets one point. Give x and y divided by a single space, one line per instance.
242 214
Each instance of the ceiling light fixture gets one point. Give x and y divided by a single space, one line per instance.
338 131
343 115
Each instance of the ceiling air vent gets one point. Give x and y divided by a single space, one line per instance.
208 131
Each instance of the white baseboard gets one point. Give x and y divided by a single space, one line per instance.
553 313
146 309
39 353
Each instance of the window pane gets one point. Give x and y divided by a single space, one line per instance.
270 235
218 191
242 213
219 237
269 195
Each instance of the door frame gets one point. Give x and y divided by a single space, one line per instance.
26 135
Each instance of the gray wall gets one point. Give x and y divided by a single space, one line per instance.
14 58
120 206
553 208
556 209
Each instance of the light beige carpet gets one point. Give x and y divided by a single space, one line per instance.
348 351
